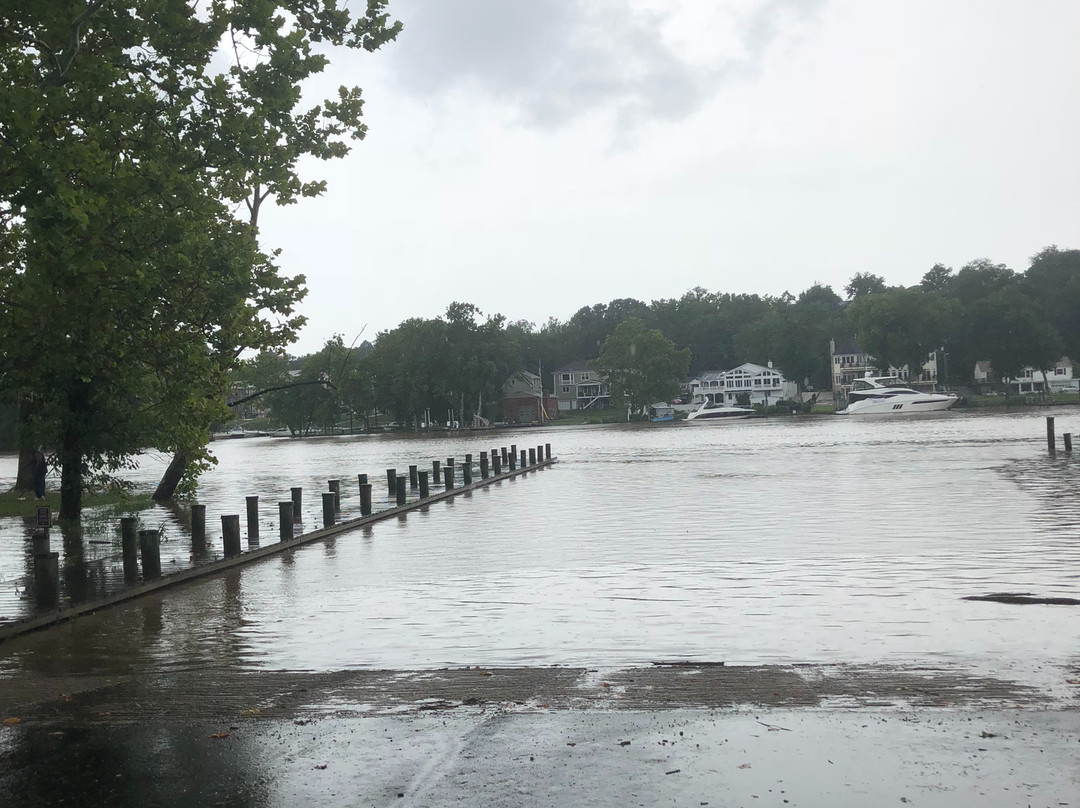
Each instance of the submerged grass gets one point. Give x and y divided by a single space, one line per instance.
13 504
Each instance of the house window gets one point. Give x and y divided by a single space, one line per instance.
566 377
585 376
1059 371
566 389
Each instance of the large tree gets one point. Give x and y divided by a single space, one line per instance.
641 366
128 289
1052 283
901 326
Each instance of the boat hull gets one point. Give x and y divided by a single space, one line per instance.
899 406
723 414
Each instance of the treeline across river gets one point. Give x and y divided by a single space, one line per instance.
458 363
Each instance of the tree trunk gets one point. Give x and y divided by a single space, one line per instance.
71 479
171 478
24 477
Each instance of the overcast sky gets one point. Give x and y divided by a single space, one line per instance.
536 156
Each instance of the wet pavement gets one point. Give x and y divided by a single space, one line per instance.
667 734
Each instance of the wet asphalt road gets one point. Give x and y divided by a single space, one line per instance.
500 757
686 734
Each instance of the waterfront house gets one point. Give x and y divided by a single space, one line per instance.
1056 379
762 384
578 387
850 362
525 402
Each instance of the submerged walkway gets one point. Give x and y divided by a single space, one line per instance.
91 571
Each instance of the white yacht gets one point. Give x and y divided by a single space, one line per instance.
887 395
718 412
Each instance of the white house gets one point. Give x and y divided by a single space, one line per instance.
850 362
764 385
1059 378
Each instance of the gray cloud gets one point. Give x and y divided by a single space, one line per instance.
558 59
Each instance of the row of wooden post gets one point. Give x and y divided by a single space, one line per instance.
142 547
1051 440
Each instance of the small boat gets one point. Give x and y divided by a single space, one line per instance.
709 411
659 413
887 395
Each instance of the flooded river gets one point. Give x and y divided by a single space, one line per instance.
782 540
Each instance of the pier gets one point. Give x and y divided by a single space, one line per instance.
137 570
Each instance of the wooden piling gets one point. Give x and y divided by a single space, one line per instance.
547 451
47 578
297 505
230 534
540 454
1050 441
436 475
362 479
423 480
253 519
503 454
413 480
129 544
450 462
198 528
448 477
40 542
335 486
483 465
285 515
391 482
1067 437
496 464
466 473
532 457
524 465
402 481
150 550
512 457
328 509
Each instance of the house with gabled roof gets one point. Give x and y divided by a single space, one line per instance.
579 387
525 401
763 384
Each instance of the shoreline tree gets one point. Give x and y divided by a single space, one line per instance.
641 366
127 287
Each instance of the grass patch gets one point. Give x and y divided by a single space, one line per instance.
578 417
12 504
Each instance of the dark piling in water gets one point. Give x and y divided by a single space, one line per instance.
297 503
150 549
328 509
285 515
230 535
129 543
253 519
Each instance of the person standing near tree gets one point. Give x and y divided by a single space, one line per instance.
39 467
